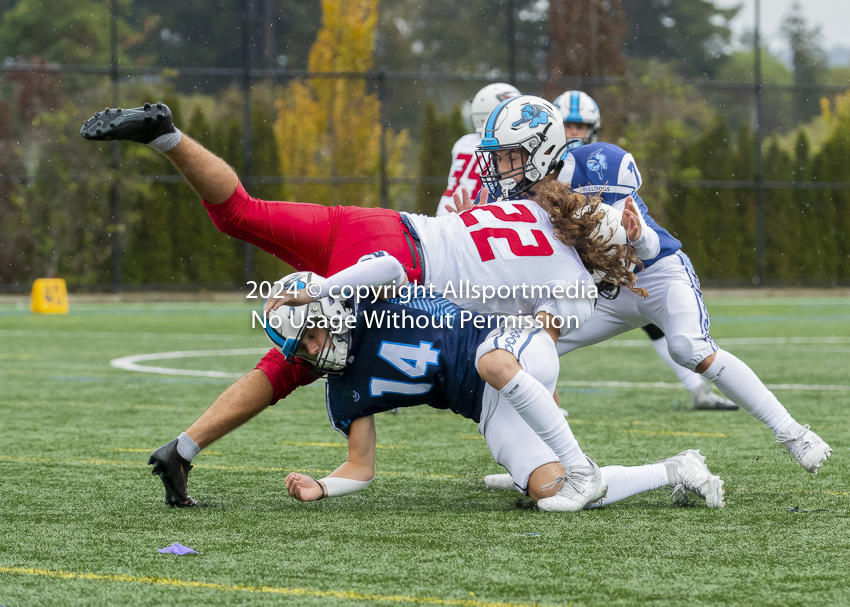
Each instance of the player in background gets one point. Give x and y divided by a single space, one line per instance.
675 301
442 362
464 169
328 239
582 124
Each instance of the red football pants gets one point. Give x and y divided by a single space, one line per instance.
313 238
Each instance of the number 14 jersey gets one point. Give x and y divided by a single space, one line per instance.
503 244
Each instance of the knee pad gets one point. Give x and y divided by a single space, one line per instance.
681 351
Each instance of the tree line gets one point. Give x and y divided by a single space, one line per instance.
56 196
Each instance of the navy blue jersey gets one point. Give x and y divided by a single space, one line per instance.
430 361
610 172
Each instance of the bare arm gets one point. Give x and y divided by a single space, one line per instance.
384 275
240 402
360 465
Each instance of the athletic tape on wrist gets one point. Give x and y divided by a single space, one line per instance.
343 486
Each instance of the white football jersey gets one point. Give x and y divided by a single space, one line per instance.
503 244
464 171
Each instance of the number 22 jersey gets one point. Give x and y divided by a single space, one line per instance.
502 244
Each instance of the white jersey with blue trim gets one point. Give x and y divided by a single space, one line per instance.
610 172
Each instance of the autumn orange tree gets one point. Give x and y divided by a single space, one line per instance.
330 127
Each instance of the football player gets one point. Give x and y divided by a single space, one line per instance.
503 245
675 301
442 362
582 123
464 169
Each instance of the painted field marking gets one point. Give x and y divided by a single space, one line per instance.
674 433
123 336
678 386
130 363
310 444
339 594
456 477
734 488
126 450
112 462
90 405
736 341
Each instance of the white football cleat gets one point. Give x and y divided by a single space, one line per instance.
499 482
809 448
706 400
688 471
579 486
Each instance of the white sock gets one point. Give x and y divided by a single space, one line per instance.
163 143
691 380
743 387
537 407
625 482
186 447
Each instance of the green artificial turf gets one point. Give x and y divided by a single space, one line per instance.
81 518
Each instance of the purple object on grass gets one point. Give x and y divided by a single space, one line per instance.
177 549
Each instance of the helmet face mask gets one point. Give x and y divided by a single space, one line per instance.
287 327
525 129
333 351
508 171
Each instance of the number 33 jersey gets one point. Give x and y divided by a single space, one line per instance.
503 244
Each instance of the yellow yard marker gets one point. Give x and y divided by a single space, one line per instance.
49 296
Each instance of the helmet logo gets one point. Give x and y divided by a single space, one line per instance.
597 163
293 284
533 114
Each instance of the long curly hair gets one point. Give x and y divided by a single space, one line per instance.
575 217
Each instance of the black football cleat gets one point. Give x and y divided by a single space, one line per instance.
142 124
174 472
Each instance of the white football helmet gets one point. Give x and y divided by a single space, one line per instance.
488 98
285 327
530 125
579 107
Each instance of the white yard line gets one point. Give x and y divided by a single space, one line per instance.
736 341
129 363
679 386
128 335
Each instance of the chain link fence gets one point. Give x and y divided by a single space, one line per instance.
116 175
